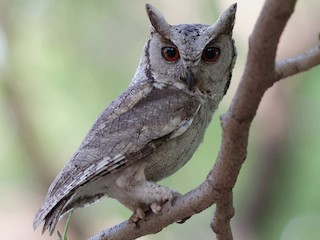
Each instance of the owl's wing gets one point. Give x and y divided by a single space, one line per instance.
132 127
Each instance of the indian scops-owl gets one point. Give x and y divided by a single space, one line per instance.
154 127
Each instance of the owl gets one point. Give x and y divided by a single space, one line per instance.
153 128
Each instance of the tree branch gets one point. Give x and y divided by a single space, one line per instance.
223 214
258 76
298 64
260 73
191 203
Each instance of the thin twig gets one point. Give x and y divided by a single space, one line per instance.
298 64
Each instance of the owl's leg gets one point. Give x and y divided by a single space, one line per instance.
140 195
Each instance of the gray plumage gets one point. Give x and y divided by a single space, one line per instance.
154 127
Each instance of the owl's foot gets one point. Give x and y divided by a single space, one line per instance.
159 195
135 192
153 197
169 196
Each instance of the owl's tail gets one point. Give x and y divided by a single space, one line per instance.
51 217
52 212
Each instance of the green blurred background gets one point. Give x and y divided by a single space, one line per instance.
62 63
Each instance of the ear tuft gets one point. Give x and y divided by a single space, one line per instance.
228 17
224 24
157 21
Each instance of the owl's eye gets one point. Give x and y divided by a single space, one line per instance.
170 54
211 54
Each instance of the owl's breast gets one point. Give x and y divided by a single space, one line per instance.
175 153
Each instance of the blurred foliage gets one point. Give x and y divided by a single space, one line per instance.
65 233
62 63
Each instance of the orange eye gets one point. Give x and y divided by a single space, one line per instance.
170 54
211 54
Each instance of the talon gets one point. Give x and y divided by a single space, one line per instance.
183 220
174 197
132 225
140 214
155 207
136 216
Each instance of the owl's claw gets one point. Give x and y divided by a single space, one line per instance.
155 208
170 197
135 217
174 197
183 220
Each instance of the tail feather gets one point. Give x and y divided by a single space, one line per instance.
50 218
51 215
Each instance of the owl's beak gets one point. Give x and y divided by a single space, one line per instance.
190 79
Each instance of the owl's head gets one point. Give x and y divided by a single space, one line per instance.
193 56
